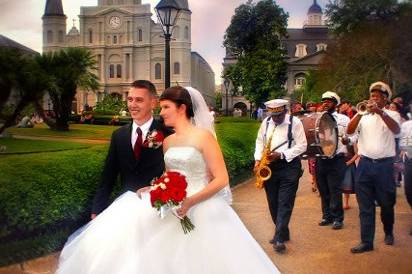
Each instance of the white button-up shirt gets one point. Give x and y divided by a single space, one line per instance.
145 129
376 140
406 136
280 135
342 122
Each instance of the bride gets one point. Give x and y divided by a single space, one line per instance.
130 238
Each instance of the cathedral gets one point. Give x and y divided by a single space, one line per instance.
128 45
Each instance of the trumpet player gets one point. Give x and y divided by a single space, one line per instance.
374 181
287 142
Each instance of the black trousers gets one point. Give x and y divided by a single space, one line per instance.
281 192
408 181
374 182
329 177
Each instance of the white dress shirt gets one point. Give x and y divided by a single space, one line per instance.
406 132
342 122
145 129
280 135
376 140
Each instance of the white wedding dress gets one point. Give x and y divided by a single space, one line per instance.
130 238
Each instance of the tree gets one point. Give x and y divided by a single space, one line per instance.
71 68
368 49
253 36
310 91
22 82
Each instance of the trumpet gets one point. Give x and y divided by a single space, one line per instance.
364 107
263 172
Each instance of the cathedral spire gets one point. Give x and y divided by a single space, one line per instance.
54 8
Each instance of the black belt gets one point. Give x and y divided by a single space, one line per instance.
380 160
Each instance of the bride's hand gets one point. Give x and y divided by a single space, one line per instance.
184 207
141 190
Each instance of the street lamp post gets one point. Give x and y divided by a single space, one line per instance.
167 12
226 82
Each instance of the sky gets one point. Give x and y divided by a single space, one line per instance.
20 20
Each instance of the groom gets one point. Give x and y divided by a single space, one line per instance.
136 152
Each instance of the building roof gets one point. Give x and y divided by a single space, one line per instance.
8 43
54 8
315 8
73 31
310 38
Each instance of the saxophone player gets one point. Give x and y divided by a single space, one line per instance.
287 142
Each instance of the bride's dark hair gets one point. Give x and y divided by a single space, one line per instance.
179 96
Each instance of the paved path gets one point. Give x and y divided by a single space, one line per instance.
312 249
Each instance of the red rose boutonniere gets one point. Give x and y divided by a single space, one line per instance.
167 193
154 139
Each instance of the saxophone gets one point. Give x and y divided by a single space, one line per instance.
263 172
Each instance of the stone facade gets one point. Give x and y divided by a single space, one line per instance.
128 45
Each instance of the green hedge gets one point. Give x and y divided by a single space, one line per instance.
42 194
45 196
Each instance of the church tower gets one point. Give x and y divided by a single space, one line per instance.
315 15
54 26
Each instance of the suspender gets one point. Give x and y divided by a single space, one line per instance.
290 137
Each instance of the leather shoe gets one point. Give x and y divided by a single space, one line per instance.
389 239
273 240
325 222
337 225
362 247
279 247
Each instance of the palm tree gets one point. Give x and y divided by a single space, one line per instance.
71 68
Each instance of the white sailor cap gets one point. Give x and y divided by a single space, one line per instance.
277 106
382 87
330 95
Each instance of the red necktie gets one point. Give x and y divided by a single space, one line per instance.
138 144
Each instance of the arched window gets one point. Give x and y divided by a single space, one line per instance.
119 71
90 36
114 39
158 71
300 79
176 68
61 36
140 34
300 50
49 36
186 32
111 71
321 46
176 32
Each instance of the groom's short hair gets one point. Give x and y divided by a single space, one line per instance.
146 85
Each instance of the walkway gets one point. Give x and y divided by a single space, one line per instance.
313 249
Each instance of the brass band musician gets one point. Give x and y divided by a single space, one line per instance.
287 142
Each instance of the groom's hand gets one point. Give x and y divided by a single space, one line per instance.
93 215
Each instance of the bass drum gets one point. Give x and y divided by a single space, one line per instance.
321 132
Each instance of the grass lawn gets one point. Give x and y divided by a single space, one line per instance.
76 131
20 146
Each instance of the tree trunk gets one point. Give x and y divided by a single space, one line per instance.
9 121
51 123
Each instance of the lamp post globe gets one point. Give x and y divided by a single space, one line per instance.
167 12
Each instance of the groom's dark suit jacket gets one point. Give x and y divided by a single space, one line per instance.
134 174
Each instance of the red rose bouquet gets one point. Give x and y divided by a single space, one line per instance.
154 139
167 193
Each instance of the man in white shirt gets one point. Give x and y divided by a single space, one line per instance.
374 176
331 171
406 146
287 143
